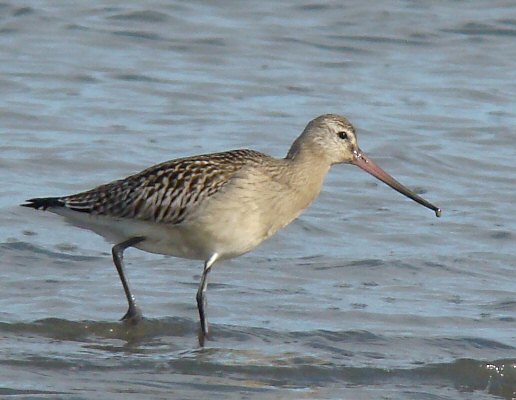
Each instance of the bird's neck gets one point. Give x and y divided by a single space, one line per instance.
306 161
306 174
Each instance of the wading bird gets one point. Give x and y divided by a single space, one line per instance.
216 206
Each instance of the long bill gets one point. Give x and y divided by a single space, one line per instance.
362 161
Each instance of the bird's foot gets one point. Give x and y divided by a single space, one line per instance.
202 336
132 316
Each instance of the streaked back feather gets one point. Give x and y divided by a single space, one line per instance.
166 192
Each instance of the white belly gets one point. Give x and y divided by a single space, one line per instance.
198 241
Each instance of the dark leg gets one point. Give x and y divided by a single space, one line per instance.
202 301
118 257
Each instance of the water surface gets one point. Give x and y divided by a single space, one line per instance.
366 296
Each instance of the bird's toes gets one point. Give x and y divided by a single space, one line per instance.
132 316
202 336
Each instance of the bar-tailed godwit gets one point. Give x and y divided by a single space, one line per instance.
216 206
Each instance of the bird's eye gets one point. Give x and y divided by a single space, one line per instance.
343 135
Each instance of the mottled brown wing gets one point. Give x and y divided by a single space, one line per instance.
164 193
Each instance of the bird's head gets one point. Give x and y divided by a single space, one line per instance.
332 139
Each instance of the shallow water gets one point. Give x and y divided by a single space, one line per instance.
366 296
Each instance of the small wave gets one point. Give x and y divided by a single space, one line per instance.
62 329
142 16
272 358
26 249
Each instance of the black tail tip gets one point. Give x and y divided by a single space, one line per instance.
44 202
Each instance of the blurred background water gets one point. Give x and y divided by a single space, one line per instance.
367 295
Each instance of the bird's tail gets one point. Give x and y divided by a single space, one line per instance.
44 202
